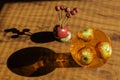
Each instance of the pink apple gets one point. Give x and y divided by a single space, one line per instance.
61 32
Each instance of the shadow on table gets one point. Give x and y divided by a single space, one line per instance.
42 37
38 37
38 61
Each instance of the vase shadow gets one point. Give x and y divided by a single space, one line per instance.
42 37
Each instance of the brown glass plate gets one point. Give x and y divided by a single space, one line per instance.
77 44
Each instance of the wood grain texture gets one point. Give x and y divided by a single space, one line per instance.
40 16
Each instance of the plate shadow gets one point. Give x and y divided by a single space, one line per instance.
32 61
38 61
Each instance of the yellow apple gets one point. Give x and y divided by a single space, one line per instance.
104 50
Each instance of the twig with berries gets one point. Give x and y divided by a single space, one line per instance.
60 10
68 14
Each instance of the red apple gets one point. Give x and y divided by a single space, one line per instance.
61 32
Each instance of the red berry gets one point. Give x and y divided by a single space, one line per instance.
76 9
62 7
73 12
67 10
68 15
57 8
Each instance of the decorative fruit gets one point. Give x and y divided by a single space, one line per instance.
104 50
86 34
66 39
61 32
85 55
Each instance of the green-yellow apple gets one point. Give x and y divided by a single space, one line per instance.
104 49
86 34
86 55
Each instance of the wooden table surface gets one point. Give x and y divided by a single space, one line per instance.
40 17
